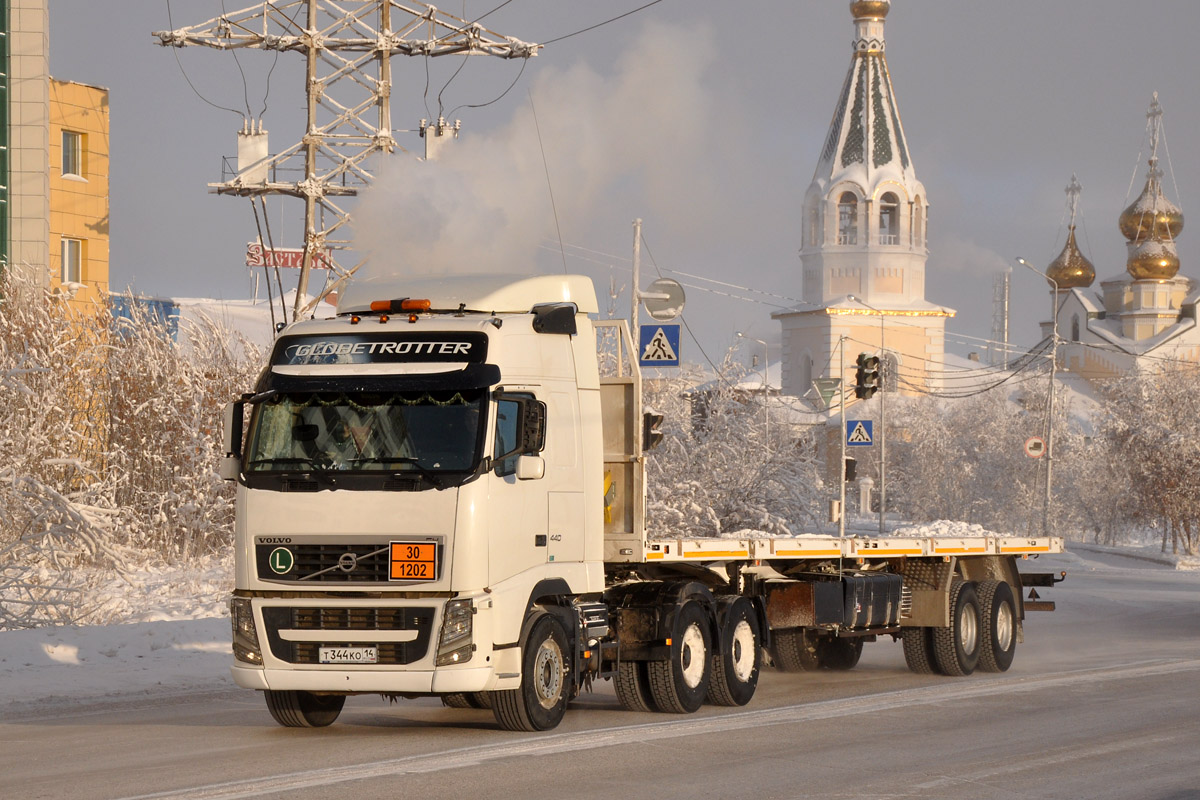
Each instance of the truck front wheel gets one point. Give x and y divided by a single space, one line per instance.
540 702
680 683
293 709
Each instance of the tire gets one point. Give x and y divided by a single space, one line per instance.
998 611
839 654
467 700
735 665
956 647
540 702
680 684
294 709
633 686
794 650
918 650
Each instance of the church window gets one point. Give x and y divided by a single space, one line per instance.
1075 328
889 219
918 226
848 219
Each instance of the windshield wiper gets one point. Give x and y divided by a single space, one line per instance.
428 474
282 460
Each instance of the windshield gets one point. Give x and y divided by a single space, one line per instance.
424 432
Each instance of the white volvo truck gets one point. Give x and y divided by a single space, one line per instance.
440 492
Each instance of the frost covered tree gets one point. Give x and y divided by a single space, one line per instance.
729 462
108 447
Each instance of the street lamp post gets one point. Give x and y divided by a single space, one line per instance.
1050 401
882 413
765 386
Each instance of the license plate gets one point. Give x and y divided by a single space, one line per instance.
349 655
413 561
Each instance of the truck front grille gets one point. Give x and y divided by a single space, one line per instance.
326 563
278 620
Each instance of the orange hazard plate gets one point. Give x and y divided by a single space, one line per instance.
413 561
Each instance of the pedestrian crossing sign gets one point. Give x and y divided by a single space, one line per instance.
658 346
860 433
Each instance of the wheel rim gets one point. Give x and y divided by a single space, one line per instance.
548 674
742 650
968 629
692 656
1004 626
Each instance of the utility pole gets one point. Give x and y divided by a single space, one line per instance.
634 297
348 80
842 436
1050 396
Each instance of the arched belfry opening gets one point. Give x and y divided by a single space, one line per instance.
847 218
889 219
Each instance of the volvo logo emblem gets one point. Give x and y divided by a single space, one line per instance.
347 562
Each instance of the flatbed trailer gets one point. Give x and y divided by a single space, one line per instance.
441 491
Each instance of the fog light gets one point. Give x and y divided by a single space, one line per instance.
245 636
454 645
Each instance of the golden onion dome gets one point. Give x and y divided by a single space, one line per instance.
1152 259
1071 270
877 9
1152 215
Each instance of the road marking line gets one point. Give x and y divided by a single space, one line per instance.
552 744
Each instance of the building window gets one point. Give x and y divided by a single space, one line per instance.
72 153
72 260
889 219
1075 328
848 219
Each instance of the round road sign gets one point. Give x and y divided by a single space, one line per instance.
1035 446
663 300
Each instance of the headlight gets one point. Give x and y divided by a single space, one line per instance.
454 646
245 637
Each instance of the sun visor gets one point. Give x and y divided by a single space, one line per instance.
472 376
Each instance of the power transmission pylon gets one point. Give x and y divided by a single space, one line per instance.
348 48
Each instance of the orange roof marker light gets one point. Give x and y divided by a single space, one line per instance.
403 304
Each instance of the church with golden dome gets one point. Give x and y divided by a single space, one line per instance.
1146 316
863 240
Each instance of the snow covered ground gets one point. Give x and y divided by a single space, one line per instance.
170 634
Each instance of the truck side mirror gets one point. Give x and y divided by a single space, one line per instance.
530 468
231 462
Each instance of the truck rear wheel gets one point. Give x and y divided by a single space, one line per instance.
794 650
956 647
679 684
293 709
540 702
998 611
838 653
918 650
735 667
633 686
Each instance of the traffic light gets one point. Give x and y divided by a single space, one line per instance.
867 378
651 436
851 469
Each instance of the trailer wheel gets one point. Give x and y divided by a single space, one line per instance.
633 686
294 709
679 684
735 667
998 611
956 647
540 702
839 653
794 650
467 700
918 650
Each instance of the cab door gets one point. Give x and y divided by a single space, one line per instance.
518 540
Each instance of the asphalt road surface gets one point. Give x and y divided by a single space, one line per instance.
1103 701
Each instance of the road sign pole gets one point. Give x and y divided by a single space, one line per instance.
637 275
842 436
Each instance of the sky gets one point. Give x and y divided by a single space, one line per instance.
702 118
